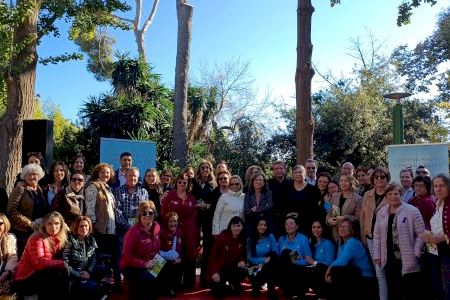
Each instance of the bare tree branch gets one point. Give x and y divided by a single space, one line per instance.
137 18
123 19
149 20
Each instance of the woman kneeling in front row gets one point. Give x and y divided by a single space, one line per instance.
227 259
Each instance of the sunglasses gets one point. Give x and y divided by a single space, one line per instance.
148 213
182 182
77 179
380 177
421 172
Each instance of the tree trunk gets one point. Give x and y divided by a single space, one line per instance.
303 77
20 87
140 41
179 148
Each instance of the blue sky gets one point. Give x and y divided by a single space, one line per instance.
263 32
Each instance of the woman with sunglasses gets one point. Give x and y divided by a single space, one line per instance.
181 201
140 246
373 201
230 204
69 201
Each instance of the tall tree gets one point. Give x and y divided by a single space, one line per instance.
23 23
180 133
304 71
303 76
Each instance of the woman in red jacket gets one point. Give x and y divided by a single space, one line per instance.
227 259
181 201
140 246
42 261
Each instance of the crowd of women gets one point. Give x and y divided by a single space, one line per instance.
67 233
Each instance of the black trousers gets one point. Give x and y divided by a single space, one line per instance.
232 275
293 279
142 285
408 286
49 284
348 283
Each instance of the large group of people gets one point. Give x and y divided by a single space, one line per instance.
355 235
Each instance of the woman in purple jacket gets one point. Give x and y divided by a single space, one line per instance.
397 245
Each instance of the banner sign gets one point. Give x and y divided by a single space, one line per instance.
143 152
433 156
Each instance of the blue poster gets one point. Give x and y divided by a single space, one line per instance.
143 152
433 156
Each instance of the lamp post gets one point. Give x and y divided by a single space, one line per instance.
397 116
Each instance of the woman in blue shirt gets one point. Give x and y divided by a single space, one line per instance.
352 265
262 253
295 255
324 254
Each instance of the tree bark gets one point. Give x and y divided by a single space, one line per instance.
20 87
303 76
180 147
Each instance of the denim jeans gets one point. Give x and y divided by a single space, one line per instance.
381 277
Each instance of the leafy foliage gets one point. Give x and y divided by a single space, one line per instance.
140 107
424 66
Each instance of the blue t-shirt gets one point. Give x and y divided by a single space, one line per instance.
353 252
325 252
300 243
263 247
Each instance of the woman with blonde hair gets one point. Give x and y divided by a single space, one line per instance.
204 185
251 172
8 257
344 203
42 261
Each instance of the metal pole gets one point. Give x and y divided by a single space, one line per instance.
398 123
397 116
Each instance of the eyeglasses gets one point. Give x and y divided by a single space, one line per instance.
379 177
311 168
148 213
421 172
77 179
223 178
182 182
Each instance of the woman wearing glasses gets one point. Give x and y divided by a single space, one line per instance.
230 204
69 201
140 246
373 201
181 201
352 266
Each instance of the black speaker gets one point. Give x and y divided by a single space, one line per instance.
38 137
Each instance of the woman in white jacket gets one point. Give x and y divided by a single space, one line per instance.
230 204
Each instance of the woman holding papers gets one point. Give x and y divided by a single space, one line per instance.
140 261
